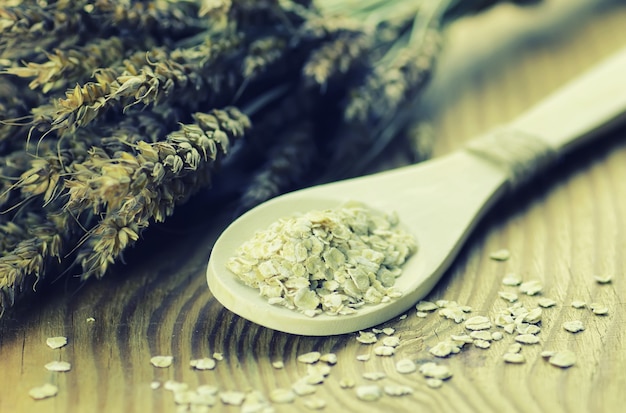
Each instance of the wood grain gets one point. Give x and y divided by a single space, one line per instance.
566 228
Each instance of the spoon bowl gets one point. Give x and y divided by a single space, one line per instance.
439 201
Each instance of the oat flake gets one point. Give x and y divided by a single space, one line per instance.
478 323
366 337
60 366
512 280
579 304
234 398
315 404
56 342
391 341
396 390
508 296
44 391
435 371
206 363
500 255
310 358
514 358
368 393
532 287
426 306
282 396
574 326
598 309
603 279
405 366
563 359
347 383
384 351
374 375
527 339
546 302
161 361
434 383
330 358
363 357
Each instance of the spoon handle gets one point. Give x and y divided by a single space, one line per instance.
575 113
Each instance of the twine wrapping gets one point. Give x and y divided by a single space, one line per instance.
521 154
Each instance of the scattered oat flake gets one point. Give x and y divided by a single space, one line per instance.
444 348
384 351
525 328
282 396
302 388
60 366
206 363
314 378
434 383
310 358
313 369
598 309
91 320
363 357
514 348
391 341
56 342
44 391
500 255
366 337
155 385
161 361
527 339
207 389
388 331
462 338
426 306
405 366
234 398
508 296
546 302
603 279
403 316
396 390
421 314
574 326
315 404
579 304
512 280
330 358
533 316
547 353
218 356
481 335
347 383
374 375
279 364
175 386
514 358
563 359
532 287
436 371
484 344
369 393
497 336
478 323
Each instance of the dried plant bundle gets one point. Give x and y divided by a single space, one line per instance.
113 112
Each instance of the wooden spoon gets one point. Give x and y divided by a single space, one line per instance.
439 201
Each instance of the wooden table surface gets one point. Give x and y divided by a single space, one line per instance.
565 229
